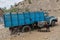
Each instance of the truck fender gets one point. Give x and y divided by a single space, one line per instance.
51 20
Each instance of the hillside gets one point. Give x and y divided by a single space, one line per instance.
51 6
36 5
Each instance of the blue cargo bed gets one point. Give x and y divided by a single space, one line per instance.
25 18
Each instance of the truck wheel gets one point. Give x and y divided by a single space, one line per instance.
40 24
26 29
53 23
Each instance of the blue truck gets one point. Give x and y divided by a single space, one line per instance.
28 20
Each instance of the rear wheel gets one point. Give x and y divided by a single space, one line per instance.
26 29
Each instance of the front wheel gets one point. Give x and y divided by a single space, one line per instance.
53 23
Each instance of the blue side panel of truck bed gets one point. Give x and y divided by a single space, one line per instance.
7 20
39 16
19 19
32 17
27 17
14 19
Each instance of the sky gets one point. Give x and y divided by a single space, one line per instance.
8 3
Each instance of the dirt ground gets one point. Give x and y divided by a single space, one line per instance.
34 35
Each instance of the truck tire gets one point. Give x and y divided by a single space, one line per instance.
53 23
26 29
40 24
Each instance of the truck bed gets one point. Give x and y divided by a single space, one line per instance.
25 18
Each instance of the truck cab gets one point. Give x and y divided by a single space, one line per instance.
51 20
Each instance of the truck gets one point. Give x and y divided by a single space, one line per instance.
26 21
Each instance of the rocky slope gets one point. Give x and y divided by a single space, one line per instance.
37 5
